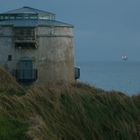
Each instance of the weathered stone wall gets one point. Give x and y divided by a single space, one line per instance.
5 45
53 57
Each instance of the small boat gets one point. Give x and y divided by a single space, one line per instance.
124 57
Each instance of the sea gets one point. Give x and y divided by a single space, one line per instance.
123 76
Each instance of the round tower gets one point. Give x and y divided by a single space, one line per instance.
36 47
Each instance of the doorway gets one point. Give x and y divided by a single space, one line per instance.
25 71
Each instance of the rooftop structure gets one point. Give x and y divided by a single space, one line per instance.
27 13
27 16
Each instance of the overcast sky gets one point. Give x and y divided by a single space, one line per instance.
104 29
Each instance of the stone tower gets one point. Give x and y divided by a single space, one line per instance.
35 47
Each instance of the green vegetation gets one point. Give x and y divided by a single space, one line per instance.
11 129
69 112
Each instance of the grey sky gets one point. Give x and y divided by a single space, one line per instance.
104 29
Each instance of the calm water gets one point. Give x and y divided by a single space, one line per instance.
120 76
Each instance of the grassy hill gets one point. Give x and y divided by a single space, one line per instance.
8 84
68 112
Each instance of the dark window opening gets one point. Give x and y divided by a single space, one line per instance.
25 72
24 34
9 57
25 45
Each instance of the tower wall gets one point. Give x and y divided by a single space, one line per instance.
53 56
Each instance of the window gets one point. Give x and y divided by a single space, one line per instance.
33 17
10 57
6 17
12 17
25 71
19 17
24 34
1 18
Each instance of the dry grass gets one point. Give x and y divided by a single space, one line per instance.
74 112
8 84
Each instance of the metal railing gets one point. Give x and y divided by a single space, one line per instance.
24 38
